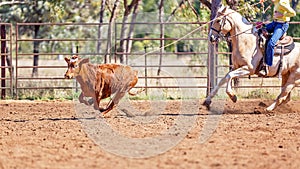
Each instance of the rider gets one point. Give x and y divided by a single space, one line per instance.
279 26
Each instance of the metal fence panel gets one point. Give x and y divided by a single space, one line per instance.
172 59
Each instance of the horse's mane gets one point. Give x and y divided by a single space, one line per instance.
225 10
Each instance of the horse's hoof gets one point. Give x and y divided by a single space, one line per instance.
269 110
234 98
207 103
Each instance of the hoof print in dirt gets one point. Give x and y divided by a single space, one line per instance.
261 104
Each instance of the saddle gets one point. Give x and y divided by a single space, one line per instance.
283 47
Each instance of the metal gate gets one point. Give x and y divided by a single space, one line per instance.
6 60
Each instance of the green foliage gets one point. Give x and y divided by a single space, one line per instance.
37 11
252 12
45 94
81 11
149 5
294 29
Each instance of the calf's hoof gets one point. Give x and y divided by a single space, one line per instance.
233 98
207 103
90 101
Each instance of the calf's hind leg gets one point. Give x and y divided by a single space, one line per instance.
114 101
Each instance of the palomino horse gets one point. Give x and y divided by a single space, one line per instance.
246 56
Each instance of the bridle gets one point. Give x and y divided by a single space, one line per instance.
222 24
224 19
227 37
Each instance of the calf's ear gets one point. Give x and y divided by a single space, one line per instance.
67 59
83 61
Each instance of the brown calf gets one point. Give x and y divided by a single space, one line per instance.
100 81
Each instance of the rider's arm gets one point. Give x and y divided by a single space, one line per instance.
285 9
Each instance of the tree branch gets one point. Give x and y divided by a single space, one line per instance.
193 9
173 12
206 3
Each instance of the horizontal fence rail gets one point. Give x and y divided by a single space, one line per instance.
170 57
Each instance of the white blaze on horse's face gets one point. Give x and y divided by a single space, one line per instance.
215 30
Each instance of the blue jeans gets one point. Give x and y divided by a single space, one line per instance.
278 30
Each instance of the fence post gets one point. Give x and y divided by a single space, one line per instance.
3 60
211 69
212 48
146 73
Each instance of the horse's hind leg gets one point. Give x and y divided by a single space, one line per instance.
284 96
283 82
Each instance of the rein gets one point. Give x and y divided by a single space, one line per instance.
228 37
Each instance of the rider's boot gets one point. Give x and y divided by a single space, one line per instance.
263 71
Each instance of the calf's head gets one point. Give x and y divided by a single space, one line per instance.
74 66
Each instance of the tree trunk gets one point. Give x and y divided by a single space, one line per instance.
212 50
131 28
127 11
294 4
107 56
36 45
101 15
121 48
232 4
162 34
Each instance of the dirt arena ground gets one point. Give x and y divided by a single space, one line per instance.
49 134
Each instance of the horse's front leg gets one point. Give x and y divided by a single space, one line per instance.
235 74
227 79
215 90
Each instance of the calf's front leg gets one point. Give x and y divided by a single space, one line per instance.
81 99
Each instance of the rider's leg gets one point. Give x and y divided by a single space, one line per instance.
279 30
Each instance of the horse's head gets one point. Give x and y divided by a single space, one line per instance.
221 25
74 66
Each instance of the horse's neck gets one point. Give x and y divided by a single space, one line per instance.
242 39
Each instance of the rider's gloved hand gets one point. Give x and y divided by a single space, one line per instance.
259 25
